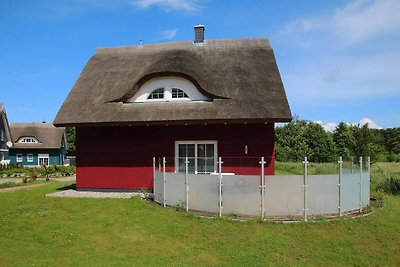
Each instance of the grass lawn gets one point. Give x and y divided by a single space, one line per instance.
40 231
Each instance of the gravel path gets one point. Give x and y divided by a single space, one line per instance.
92 194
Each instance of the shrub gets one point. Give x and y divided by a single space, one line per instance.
390 185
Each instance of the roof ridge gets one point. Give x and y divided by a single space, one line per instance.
213 43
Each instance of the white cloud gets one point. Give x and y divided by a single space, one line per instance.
183 5
371 124
358 21
168 34
364 19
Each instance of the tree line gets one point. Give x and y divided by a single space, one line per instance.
301 138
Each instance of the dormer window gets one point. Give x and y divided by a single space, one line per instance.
168 90
157 94
178 93
28 140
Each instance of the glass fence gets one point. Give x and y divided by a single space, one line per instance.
247 186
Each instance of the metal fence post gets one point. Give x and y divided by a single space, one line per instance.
154 176
340 185
220 185
165 183
186 184
369 176
262 162
361 174
305 185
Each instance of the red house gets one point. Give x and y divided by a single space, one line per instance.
200 99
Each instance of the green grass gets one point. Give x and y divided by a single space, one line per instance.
296 168
13 184
40 231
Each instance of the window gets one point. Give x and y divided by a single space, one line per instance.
19 157
30 157
29 140
202 156
43 159
178 93
157 94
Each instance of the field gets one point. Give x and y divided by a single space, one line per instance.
40 231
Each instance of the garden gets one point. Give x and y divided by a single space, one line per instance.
41 231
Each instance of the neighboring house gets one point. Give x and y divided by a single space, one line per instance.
201 99
5 136
37 144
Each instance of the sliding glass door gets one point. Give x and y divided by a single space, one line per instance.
202 156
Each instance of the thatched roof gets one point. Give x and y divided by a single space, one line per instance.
4 122
49 136
239 76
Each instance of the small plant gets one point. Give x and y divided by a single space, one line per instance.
181 206
233 216
390 185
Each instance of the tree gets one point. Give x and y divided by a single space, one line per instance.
320 142
344 140
70 134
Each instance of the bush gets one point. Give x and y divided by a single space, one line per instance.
390 185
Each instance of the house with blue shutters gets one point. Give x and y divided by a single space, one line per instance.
5 136
37 144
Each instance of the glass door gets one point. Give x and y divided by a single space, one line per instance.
202 156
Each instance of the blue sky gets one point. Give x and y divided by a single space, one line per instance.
339 60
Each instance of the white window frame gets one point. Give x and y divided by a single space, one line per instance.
195 142
43 156
168 83
29 158
20 157
28 140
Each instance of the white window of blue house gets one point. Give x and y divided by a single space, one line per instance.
30 157
202 156
19 157
28 139
43 159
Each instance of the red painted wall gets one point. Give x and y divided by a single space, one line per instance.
121 157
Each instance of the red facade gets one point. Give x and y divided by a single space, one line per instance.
121 157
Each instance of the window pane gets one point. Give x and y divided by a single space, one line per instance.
201 165
157 94
210 167
182 150
201 150
210 150
190 150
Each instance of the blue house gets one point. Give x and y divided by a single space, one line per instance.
37 144
5 136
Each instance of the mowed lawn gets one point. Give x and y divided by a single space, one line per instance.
40 231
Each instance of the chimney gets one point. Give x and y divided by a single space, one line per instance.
199 34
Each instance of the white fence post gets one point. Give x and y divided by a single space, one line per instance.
220 185
361 173
154 176
352 164
305 185
186 184
262 162
165 183
369 177
340 185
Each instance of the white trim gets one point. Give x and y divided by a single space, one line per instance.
43 156
19 157
27 158
23 139
167 83
195 142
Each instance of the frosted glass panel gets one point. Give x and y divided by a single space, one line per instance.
241 194
323 194
284 195
203 192
350 192
365 188
158 187
175 189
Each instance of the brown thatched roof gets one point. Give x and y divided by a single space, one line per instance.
49 136
239 76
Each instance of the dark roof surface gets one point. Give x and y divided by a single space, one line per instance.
3 117
49 136
239 75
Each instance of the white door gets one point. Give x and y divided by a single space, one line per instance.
43 159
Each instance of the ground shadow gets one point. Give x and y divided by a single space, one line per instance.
71 186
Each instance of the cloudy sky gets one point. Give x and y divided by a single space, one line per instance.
339 60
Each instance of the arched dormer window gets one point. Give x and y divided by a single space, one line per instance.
28 140
169 89
157 94
178 93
